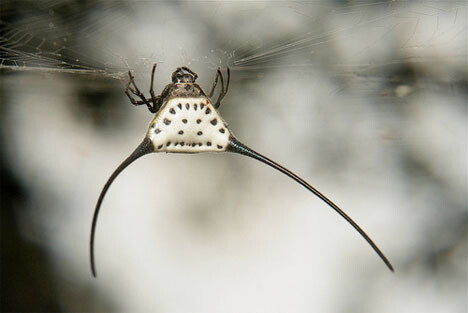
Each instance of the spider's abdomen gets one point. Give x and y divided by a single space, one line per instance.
188 125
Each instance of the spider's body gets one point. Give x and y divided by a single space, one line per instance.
187 121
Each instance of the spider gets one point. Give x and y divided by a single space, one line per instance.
187 121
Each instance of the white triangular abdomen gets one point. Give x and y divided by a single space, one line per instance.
188 125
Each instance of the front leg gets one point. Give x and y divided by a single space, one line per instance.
157 100
218 74
223 91
153 108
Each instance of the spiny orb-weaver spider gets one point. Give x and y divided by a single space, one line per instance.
187 121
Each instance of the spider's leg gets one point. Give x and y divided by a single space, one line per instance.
144 148
127 88
228 81
135 89
152 81
154 99
137 93
218 72
133 101
224 91
238 147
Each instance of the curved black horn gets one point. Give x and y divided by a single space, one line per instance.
238 147
144 148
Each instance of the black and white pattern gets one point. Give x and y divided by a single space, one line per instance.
188 125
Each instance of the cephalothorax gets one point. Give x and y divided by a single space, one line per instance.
187 121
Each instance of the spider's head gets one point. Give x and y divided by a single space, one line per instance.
184 75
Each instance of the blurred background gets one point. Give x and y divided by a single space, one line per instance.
366 100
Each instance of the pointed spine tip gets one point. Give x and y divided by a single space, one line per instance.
236 146
145 147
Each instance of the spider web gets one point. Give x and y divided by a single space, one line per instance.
87 42
50 38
